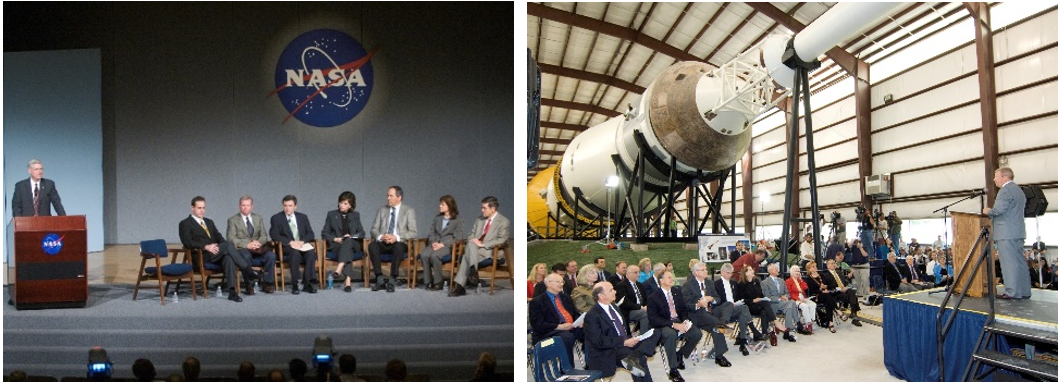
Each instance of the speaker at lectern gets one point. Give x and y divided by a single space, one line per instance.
51 262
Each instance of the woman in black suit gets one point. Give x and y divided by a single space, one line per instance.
446 229
817 291
748 290
343 231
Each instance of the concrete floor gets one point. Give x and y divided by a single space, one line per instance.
853 354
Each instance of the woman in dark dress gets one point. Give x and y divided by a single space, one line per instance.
817 291
748 290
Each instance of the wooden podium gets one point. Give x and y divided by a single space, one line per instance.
51 262
965 230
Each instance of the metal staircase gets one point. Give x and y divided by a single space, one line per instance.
995 360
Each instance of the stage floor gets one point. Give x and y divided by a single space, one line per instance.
1042 308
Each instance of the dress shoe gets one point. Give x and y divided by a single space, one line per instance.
309 288
391 286
722 361
295 289
857 323
249 290
234 296
379 284
474 278
1004 297
743 349
347 289
337 277
675 376
631 363
679 362
458 291
774 339
269 289
252 276
758 337
789 337
436 286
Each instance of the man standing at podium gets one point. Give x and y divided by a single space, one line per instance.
36 195
1009 233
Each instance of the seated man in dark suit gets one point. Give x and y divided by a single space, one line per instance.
838 284
667 313
725 288
633 306
248 233
896 277
609 344
914 274
198 232
699 295
393 225
553 314
620 274
292 230
343 232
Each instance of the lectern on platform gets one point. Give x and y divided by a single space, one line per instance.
965 230
51 262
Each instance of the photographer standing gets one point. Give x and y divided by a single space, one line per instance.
894 225
867 226
838 222
861 265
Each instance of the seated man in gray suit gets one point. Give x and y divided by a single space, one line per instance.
247 232
774 289
700 295
488 231
394 224
36 195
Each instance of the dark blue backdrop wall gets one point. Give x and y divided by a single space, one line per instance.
186 112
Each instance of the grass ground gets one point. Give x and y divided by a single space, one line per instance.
551 252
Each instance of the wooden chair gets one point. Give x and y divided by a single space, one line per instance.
154 250
206 270
506 262
283 266
457 250
411 252
327 258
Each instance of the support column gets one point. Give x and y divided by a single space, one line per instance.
987 91
863 126
795 196
747 190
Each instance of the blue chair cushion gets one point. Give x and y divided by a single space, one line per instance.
211 266
390 257
445 258
171 270
258 261
487 262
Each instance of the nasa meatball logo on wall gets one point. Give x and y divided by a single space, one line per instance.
52 244
324 78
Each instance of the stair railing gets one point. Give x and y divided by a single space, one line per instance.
943 330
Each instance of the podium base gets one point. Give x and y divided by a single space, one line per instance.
49 305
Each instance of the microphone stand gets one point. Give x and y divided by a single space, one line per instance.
945 225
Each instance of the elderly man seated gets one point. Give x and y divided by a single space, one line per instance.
553 314
699 295
774 289
896 276
609 344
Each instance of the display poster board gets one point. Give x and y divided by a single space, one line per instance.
718 247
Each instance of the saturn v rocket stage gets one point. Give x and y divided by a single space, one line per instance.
691 126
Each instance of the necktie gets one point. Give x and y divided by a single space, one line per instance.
561 309
638 295
617 324
250 228
36 197
671 305
837 279
601 276
295 227
486 227
777 288
205 229
391 222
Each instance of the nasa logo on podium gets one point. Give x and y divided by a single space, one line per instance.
324 78
52 244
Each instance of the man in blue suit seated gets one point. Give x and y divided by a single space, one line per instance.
553 314
668 314
607 340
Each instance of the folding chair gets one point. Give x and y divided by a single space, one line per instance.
551 363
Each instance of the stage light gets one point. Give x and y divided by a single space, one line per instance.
99 368
612 181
